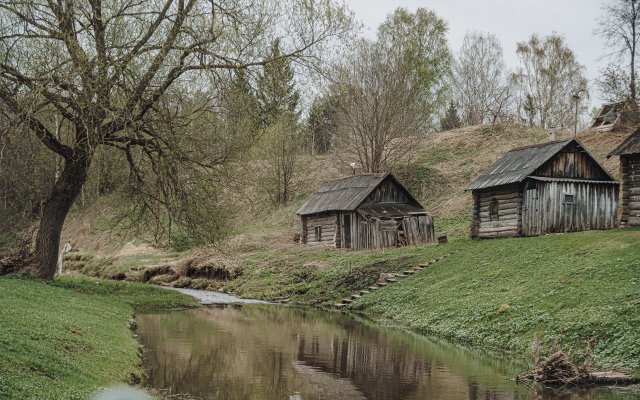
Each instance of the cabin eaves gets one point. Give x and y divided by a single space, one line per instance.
347 193
630 146
518 164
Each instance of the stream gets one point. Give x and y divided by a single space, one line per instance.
238 349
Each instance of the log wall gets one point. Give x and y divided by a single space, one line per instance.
509 219
595 206
330 229
573 163
630 190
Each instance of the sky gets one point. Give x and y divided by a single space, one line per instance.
512 21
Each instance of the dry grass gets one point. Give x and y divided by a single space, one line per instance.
454 158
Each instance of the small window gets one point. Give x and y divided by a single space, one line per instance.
318 233
493 210
568 198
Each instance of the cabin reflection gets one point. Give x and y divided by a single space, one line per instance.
355 367
268 352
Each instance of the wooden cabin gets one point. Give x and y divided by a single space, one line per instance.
629 152
553 187
366 211
610 116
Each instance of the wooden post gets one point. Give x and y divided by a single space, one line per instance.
536 338
554 345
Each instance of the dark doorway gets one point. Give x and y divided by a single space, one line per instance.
347 231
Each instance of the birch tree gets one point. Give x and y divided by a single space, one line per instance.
550 75
619 25
480 79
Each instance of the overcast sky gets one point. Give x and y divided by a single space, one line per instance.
511 21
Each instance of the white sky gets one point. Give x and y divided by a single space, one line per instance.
511 21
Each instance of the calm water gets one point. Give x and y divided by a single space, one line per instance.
258 351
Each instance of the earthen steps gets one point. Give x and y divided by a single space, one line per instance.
390 278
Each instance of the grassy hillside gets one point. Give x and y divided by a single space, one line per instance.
441 168
577 287
66 339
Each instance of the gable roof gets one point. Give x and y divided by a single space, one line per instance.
630 145
611 112
347 193
519 163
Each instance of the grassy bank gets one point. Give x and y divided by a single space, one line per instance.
64 339
581 288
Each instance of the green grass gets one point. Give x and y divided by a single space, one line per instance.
323 277
575 287
64 339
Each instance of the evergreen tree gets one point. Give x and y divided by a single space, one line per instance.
321 123
276 94
279 148
451 119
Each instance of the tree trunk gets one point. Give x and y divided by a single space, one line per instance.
64 193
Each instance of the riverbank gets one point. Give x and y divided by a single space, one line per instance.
65 339
582 289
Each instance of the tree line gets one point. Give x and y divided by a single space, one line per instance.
187 108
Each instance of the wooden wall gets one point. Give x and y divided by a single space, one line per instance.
630 189
509 220
387 192
572 162
595 206
378 234
330 229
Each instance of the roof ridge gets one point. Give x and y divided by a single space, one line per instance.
543 144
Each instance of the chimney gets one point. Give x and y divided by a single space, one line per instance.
552 134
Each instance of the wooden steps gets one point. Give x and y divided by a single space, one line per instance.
387 278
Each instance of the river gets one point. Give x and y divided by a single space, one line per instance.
265 351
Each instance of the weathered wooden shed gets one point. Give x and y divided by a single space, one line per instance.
362 212
629 152
552 187
610 116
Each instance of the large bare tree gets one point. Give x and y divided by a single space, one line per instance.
116 72
619 25
550 76
393 91
380 114
481 87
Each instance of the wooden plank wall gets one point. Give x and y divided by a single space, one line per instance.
595 207
378 234
630 189
387 192
509 222
329 229
572 162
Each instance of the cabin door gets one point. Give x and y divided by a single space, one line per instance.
347 231
531 213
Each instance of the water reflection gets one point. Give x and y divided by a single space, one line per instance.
273 352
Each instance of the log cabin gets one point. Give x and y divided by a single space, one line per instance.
365 211
629 152
553 187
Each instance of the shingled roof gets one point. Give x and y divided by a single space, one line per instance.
631 145
347 193
517 164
